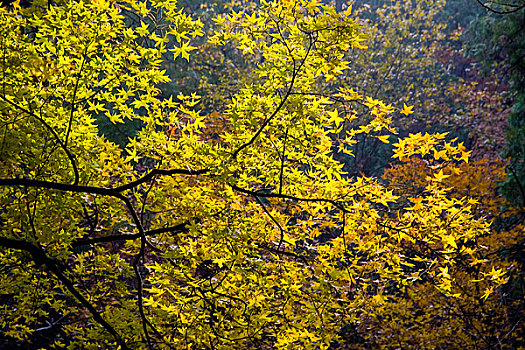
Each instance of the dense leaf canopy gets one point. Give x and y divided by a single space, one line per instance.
235 226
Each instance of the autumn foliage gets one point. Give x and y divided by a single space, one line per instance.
235 226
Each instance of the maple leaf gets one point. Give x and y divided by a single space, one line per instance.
449 240
383 138
407 110
440 176
464 156
370 102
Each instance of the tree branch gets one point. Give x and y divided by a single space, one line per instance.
113 192
515 9
285 196
73 109
280 106
154 172
129 237
69 155
40 258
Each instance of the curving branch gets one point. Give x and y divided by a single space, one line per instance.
516 8
40 257
520 185
140 255
338 205
105 191
163 172
283 160
129 237
295 73
69 155
18 182
281 229
75 91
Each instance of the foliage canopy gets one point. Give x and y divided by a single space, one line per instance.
217 229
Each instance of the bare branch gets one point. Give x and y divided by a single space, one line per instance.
516 8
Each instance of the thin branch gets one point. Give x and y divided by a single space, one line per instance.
40 257
69 155
279 252
140 298
285 196
129 237
328 96
279 107
4 66
520 186
281 229
141 254
515 9
144 201
75 90
389 69
155 172
283 157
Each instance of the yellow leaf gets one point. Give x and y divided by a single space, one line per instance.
370 102
417 203
440 176
464 156
383 138
407 110
449 240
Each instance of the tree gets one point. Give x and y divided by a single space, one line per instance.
399 65
198 234
476 319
